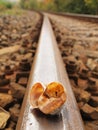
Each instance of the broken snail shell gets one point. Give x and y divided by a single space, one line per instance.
50 100
54 89
36 91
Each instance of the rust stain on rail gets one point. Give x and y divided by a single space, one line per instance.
48 67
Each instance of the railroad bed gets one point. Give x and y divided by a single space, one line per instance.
18 42
77 41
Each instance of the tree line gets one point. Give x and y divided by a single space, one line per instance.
73 6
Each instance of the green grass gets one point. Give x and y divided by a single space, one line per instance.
8 8
5 5
14 11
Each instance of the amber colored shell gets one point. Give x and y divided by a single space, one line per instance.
35 92
52 99
54 89
49 100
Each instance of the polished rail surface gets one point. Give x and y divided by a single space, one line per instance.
48 66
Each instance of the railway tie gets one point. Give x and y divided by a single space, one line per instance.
49 67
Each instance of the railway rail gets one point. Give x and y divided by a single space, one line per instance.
84 17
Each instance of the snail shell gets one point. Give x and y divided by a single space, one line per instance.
35 92
50 100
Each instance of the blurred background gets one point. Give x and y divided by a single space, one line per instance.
73 6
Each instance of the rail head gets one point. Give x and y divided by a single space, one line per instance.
48 67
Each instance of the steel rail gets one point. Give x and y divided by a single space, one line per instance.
90 18
48 67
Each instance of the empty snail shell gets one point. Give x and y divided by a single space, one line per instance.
50 100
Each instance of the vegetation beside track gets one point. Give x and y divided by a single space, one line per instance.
73 6
10 8
5 5
13 11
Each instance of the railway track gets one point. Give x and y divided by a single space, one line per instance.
72 38
84 17
48 67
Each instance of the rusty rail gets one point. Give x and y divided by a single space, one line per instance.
48 66
91 18
84 17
